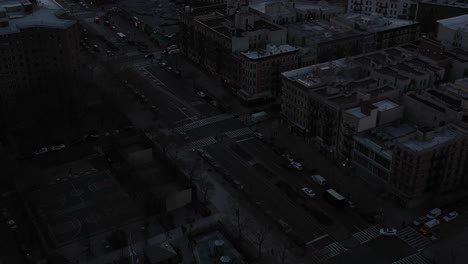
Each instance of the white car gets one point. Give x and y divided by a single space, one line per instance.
388 232
450 216
57 147
172 47
174 52
297 165
434 213
287 157
41 151
201 94
320 180
308 192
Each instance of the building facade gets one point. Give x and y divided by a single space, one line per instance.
210 37
429 11
388 32
260 71
40 64
315 97
401 9
414 164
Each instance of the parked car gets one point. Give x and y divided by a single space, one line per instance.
450 216
57 147
308 192
173 52
176 73
419 221
297 165
284 226
434 213
320 180
351 204
258 135
201 94
12 224
287 157
149 56
41 151
388 232
172 47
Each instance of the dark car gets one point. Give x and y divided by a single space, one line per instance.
176 73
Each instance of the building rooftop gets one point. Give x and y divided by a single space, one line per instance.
455 23
440 136
381 106
452 3
270 51
383 139
309 32
347 71
20 14
371 23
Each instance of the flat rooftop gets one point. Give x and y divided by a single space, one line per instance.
43 17
370 23
455 23
442 135
270 51
382 106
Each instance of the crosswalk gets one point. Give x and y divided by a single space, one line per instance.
239 132
334 249
197 103
413 259
366 235
414 238
203 122
203 142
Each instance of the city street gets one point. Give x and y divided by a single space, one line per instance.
259 173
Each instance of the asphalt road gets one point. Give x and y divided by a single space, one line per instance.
179 104
273 202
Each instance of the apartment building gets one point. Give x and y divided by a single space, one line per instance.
413 163
432 108
401 9
322 41
39 70
453 32
429 11
368 115
260 71
388 32
284 12
315 97
210 37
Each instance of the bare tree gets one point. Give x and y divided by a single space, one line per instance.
260 237
205 186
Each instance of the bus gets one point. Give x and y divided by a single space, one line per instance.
335 198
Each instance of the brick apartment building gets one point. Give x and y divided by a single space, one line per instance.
40 63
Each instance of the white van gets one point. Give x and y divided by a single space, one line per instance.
319 180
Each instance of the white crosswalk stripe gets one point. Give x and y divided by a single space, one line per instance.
239 132
203 142
203 122
367 234
197 103
334 249
414 238
413 259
